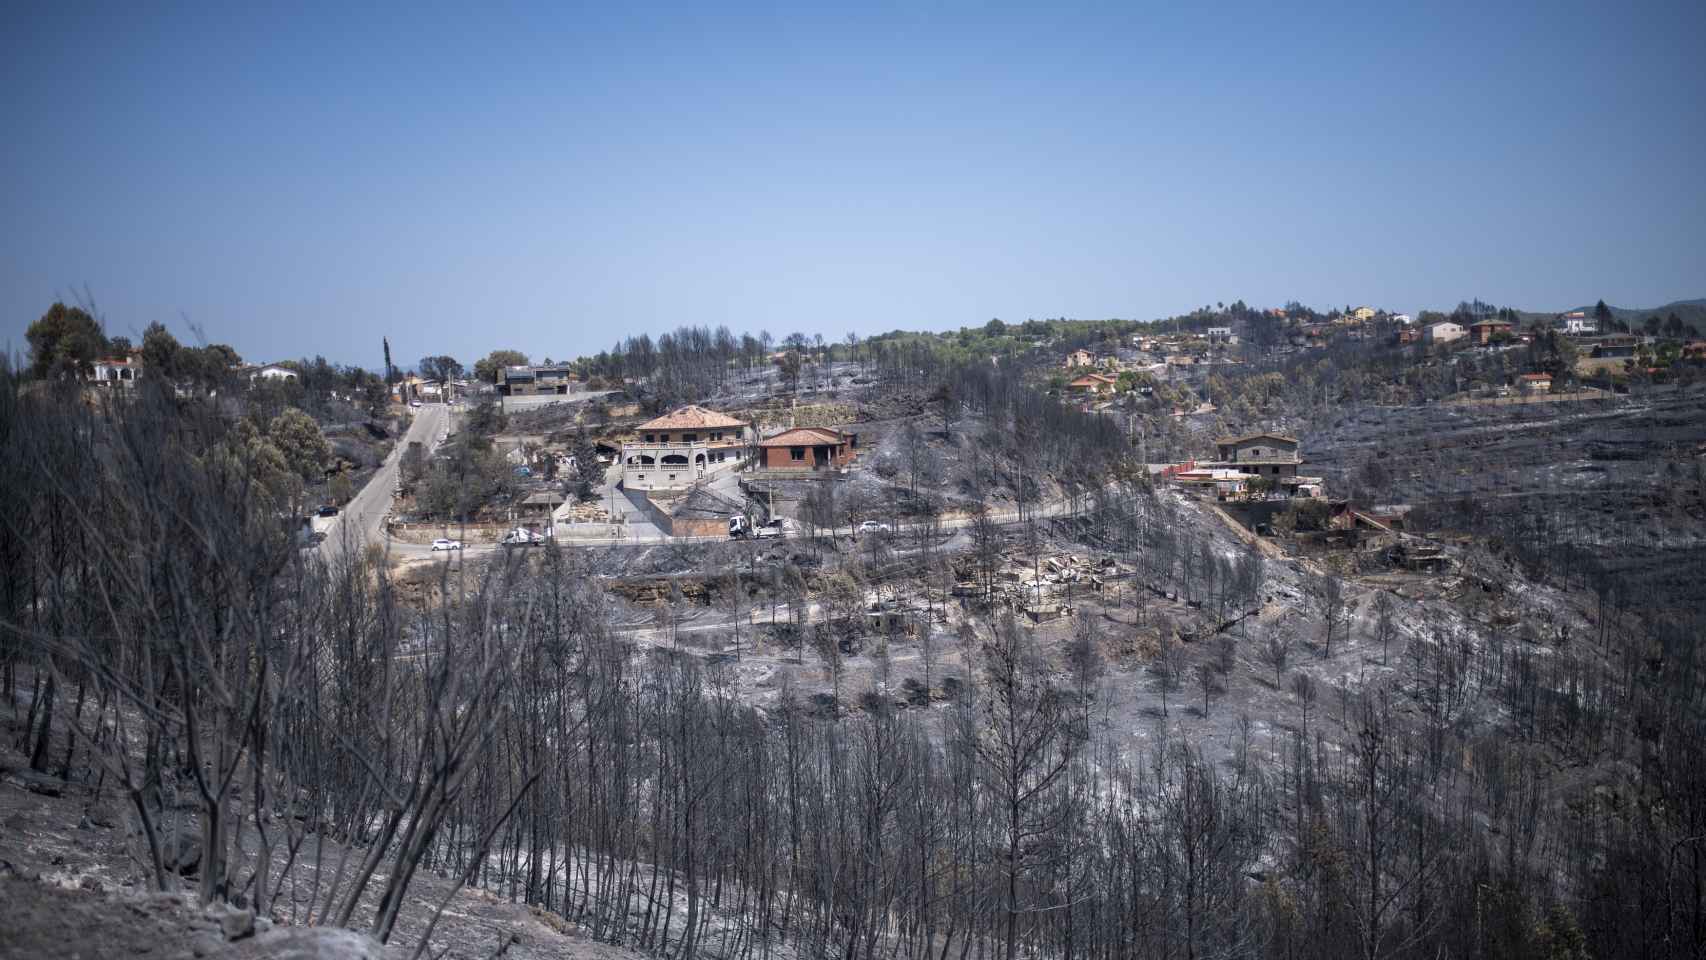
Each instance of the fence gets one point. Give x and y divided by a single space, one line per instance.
493 532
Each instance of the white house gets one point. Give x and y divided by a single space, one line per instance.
1221 335
1443 332
116 372
272 371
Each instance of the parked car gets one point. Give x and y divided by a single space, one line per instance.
414 403
520 537
443 544
872 526
774 530
328 510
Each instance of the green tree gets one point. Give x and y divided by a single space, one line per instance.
66 341
1602 314
160 351
341 489
487 369
589 472
440 368
298 438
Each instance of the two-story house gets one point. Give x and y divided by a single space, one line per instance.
1483 331
1261 454
525 381
1443 332
680 447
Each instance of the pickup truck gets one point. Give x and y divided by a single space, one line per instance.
521 538
740 529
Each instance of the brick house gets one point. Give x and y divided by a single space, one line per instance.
808 448
1483 331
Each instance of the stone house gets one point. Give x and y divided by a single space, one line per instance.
680 447
550 379
1261 454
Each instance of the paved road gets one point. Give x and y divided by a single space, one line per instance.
362 519
956 527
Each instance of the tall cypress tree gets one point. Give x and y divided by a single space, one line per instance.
388 378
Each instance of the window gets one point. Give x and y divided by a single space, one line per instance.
716 436
797 454
640 477
651 438
689 437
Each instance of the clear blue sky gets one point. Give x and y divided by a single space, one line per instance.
552 179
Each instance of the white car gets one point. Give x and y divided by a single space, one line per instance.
414 403
443 544
872 526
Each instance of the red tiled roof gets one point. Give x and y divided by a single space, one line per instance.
689 417
1537 376
804 437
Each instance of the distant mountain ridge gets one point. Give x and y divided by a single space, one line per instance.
1691 312
1683 309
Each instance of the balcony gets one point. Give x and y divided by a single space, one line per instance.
723 444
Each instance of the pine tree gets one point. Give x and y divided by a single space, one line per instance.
388 377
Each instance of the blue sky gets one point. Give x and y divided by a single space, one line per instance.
551 179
